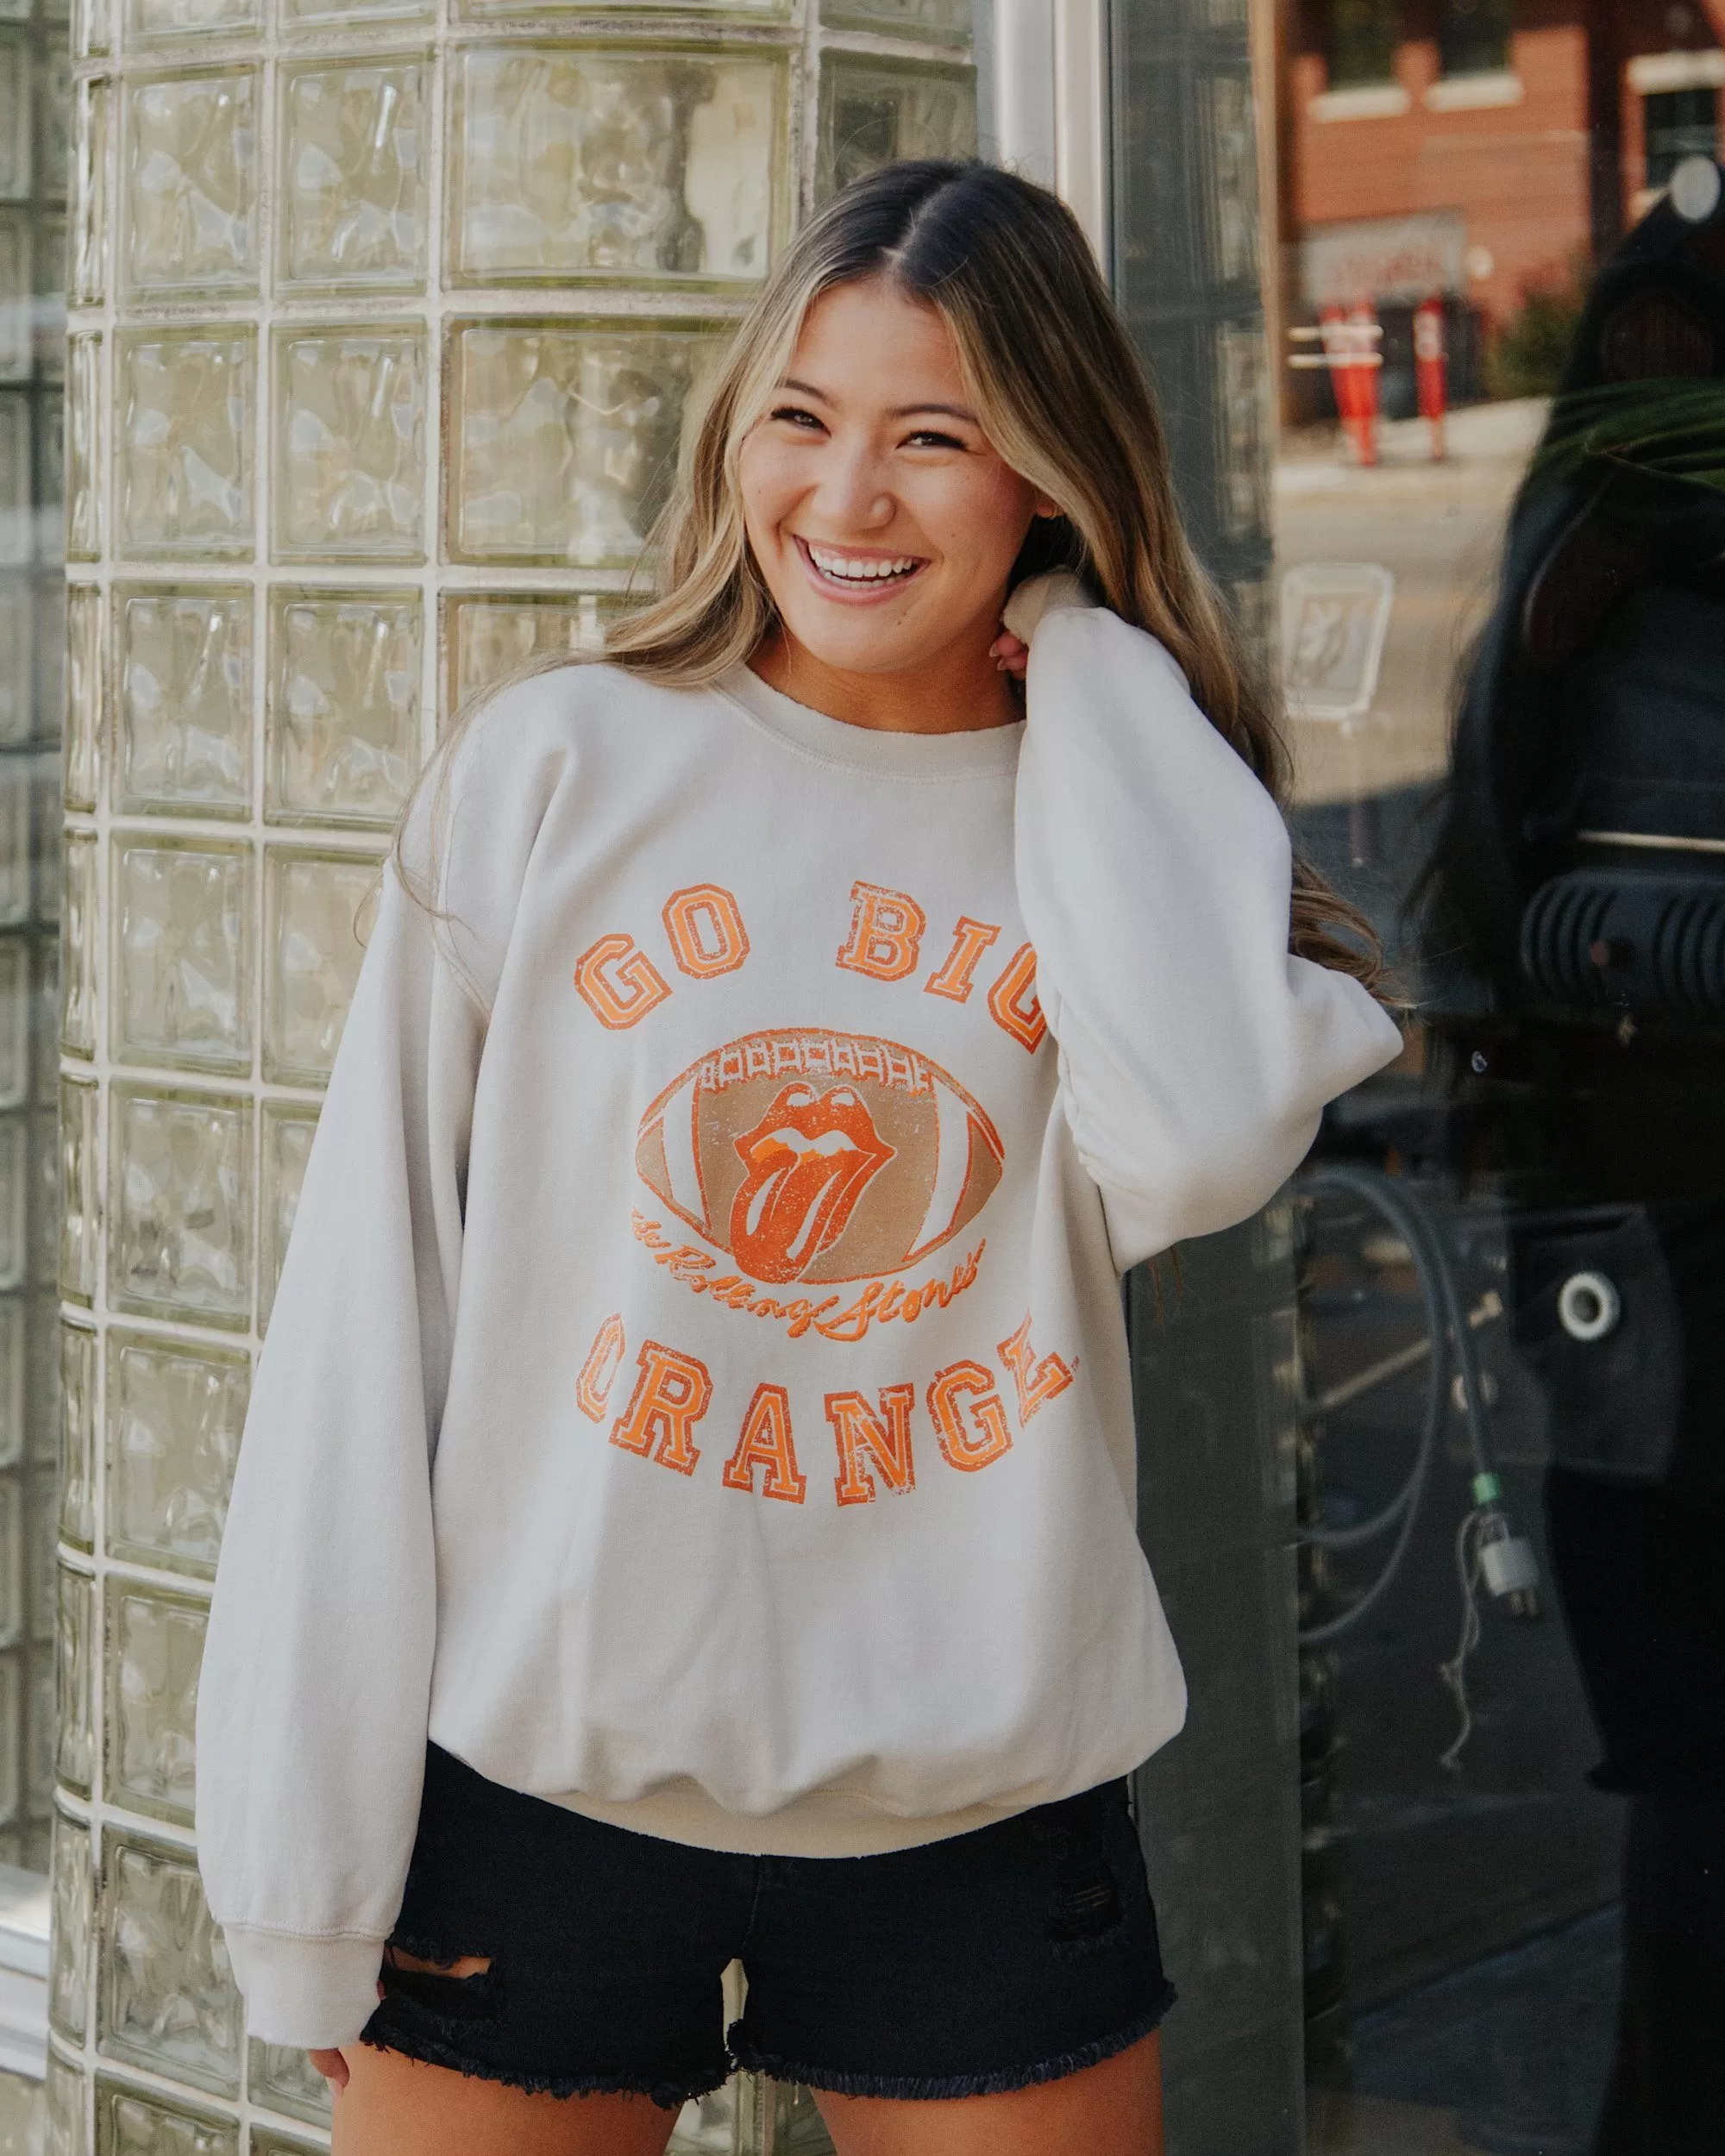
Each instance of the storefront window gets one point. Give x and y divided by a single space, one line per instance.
1497 532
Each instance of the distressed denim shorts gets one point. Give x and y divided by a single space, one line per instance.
1013 1954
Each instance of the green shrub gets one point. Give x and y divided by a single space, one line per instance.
1528 355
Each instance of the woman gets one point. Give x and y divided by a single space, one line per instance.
684 1513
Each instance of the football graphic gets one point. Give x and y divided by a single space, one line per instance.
813 1156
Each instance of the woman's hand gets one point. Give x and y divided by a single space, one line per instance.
1010 653
332 2066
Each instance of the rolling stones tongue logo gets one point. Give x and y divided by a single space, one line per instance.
819 1157
809 1158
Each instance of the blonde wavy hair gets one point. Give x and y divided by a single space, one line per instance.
1060 392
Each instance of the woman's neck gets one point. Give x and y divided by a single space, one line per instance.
960 691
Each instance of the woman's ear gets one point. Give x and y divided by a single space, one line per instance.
1044 507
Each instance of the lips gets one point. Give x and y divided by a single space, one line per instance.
809 1158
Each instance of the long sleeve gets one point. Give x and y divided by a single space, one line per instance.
314 1696
1195 1054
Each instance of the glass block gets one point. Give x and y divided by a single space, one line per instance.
65 2125
354 174
47 277
15 1191
184 669
54 118
182 916
11 1758
87 267
127 2124
47 634
47 826
18 519
147 21
155 1647
92 29
282 2078
350 444
174 1417
79 920
342 728
16 291
18 606
43 1251
48 439
166 1994
83 447
13 1379
80 1234
84 696
288 1129
566 435
42 1379
14 841
41 1556
17 1003
265 2141
182 1206
11 1576
38 1746
943 22
328 15
74 1680
78 1435
184 408
488 635
505 10
16 74
875 111
316 908
45 1001
69 1875
573 162
189 183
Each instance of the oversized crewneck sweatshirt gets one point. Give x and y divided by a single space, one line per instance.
697 1390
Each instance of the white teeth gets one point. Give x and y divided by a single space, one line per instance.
847 569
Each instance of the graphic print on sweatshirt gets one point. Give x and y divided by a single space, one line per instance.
834 1181
813 1156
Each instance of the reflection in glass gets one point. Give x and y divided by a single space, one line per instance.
873 111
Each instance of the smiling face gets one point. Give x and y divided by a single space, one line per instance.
882 519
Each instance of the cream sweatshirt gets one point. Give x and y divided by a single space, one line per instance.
697 1391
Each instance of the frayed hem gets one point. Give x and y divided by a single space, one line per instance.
666 2096
933 2088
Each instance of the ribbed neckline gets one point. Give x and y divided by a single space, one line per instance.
984 752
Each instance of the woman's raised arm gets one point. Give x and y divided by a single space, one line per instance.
1155 872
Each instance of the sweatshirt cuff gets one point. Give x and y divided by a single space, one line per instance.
317 1993
1041 595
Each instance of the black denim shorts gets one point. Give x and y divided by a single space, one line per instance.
1014 1954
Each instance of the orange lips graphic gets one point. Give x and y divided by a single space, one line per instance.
809 1159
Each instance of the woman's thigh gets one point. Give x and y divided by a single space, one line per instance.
395 2106
1115 2107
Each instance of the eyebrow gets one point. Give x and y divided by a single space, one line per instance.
898 411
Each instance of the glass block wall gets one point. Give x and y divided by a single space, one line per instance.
35 90
387 318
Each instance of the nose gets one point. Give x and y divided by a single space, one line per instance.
852 494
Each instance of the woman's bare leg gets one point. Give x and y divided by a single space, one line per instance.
396 2106
1112 2109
